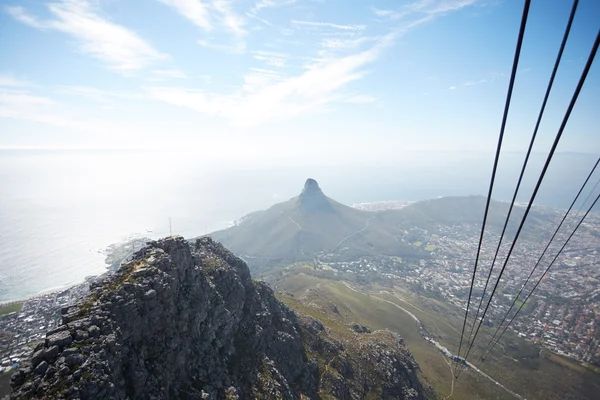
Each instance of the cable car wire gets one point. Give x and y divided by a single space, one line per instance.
582 79
497 157
542 277
533 137
541 257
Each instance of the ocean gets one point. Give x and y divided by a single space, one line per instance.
60 209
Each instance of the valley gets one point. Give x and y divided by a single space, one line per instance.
519 368
407 267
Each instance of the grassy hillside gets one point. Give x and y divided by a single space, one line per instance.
313 225
518 365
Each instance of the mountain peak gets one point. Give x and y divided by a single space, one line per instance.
311 187
312 198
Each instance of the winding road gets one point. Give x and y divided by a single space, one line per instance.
437 344
354 234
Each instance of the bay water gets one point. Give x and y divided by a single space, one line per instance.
59 209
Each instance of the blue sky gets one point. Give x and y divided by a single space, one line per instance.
290 79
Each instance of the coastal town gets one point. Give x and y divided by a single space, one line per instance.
20 330
563 314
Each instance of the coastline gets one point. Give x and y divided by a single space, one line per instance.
44 292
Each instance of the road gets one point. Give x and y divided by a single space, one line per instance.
291 219
443 349
354 234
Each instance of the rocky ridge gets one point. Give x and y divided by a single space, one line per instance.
186 321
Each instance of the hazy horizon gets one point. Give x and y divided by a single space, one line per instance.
59 208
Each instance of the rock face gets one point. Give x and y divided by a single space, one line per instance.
186 321
312 198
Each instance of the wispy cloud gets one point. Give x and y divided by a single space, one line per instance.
170 73
383 13
473 83
236 48
23 105
230 19
271 58
424 7
491 77
268 96
211 15
114 44
314 24
262 4
100 95
337 43
21 15
195 10
7 80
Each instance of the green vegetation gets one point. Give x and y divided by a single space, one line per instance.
517 364
9 308
314 225
592 368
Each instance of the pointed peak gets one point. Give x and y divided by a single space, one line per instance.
312 198
311 187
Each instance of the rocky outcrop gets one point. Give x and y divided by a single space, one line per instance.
371 365
313 200
186 321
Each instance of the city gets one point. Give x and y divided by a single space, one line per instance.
563 314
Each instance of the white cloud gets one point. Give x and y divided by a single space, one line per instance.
271 58
268 96
264 21
383 13
237 48
22 105
452 88
170 73
230 18
11 81
194 10
427 7
96 94
262 4
210 15
21 15
328 25
114 44
335 43
473 83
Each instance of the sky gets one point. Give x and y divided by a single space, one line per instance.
282 80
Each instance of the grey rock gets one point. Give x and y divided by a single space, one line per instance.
150 295
186 321
50 372
94 331
359 328
41 368
74 360
51 353
60 339
69 351
37 357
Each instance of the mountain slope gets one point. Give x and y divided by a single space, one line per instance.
304 225
312 225
186 321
